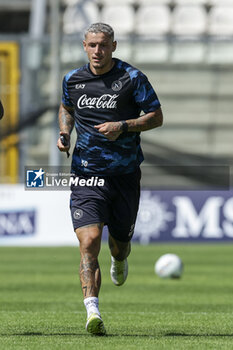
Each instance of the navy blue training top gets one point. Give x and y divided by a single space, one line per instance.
120 94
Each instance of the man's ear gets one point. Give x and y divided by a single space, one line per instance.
84 45
114 45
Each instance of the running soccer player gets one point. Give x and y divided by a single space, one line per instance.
104 99
1 110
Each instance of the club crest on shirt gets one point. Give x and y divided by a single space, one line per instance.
116 85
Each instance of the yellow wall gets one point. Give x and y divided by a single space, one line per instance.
9 94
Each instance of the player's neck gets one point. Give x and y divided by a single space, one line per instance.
102 70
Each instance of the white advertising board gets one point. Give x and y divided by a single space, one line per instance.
35 218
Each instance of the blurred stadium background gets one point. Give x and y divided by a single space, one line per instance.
185 47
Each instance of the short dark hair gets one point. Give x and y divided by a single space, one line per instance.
100 28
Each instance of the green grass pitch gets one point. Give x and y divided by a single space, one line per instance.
41 305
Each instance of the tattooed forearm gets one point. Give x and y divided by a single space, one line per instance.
146 122
66 119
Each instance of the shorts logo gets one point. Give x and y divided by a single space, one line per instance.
116 85
78 214
131 231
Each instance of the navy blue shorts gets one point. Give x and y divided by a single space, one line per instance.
115 203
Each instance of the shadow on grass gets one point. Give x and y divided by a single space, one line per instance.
40 334
198 335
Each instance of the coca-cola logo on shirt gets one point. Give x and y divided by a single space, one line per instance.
104 101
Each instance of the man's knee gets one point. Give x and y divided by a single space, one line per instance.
89 238
89 242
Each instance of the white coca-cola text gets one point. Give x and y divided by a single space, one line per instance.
104 101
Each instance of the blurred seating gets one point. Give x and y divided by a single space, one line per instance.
110 2
152 27
219 52
156 51
220 2
150 31
188 29
79 14
220 30
153 2
189 20
120 17
220 20
153 20
190 2
75 2
187 51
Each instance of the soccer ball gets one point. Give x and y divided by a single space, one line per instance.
169 266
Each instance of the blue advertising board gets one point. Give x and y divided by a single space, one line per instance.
17 223
184 216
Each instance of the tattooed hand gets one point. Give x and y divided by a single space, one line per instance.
111 130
